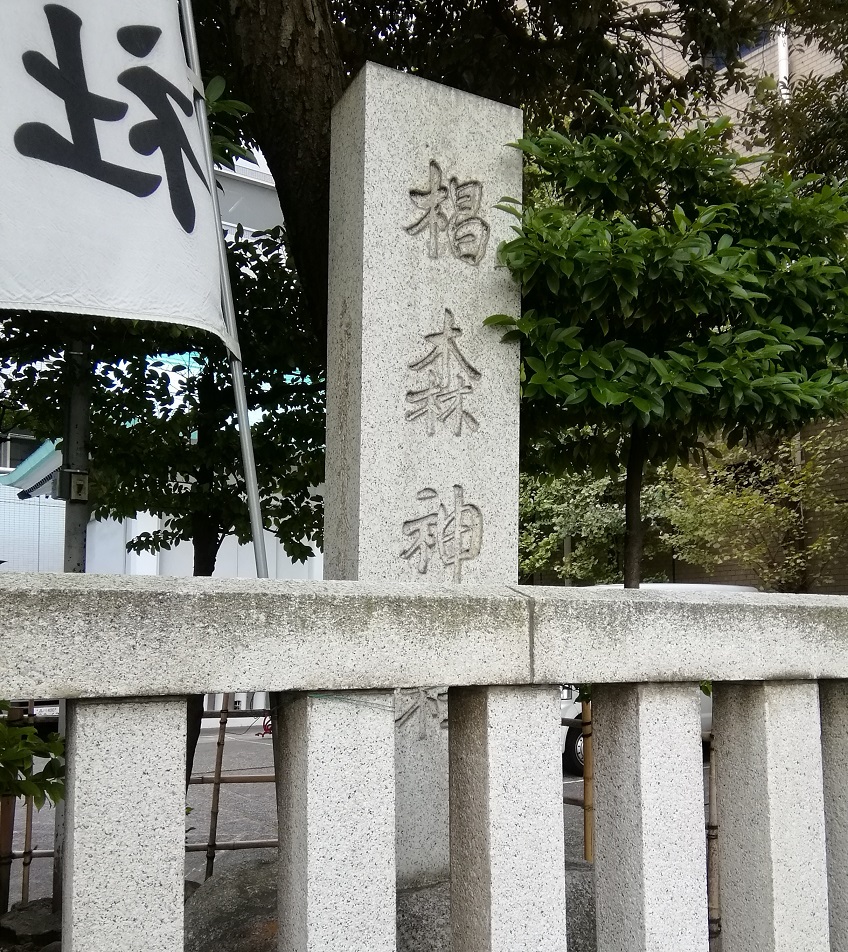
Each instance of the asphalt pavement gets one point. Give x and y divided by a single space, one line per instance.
246 811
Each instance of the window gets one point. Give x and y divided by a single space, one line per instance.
718 62
15 447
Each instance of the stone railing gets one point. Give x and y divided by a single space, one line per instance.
125 650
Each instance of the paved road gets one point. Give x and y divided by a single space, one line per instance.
246 811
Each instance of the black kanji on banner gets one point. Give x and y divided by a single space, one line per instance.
66 78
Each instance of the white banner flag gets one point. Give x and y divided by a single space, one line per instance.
105 207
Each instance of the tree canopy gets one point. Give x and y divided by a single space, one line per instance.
573 527
806 125
770 508
163 430
291 61
668 297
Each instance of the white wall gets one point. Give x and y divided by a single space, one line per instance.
31 533
107 554
31 540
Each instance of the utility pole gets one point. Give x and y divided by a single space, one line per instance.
73 481
73 488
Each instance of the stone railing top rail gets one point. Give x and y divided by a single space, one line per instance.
120 636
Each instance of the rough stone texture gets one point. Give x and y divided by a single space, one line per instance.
650 856
774 892
833 697
423 919
235 910
113 636
34 922
506 821
616 636
422 399
421 786
580 903
125 796
387 293
81 635
335 804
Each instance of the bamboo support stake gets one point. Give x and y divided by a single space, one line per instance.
190 848
216 788
73 486
588 786
245 778
59 822
27 852
27 833
713 902
235 845
7 832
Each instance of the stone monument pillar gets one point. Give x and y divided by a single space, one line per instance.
422 402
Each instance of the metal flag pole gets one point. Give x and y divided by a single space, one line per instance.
236 370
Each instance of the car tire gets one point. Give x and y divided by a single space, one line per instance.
572 756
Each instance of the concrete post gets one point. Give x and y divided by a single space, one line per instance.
422 399
335 806
73 481
773 869
833 697
506 828
650 853
124 856
73 488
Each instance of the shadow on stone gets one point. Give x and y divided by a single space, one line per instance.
33 925
423 919
236 911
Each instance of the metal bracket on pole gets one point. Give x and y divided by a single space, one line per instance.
236 371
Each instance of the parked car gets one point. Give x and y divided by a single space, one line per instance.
571 736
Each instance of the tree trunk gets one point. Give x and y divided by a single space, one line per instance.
802 583
291 73
206 543
206 539
634 531
194 721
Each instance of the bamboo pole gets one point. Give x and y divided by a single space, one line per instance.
190 848
27 830
713 901
59 824
73 486
247 778
588 786
27 857
7 831
216 788
235 845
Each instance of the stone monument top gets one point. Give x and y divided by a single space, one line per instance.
422 418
